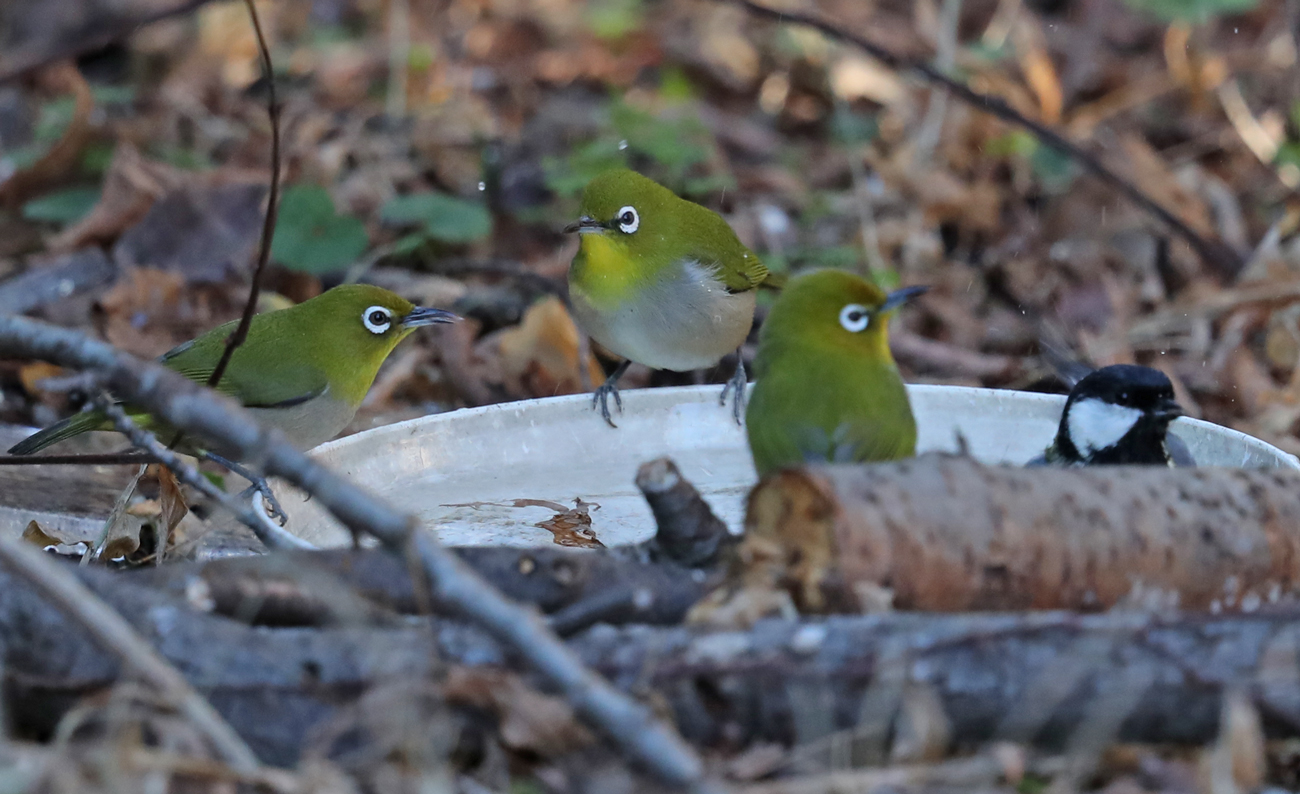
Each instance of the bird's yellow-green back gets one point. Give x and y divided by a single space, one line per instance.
827 387
650 230
313 362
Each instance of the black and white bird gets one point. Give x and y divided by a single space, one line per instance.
1118 415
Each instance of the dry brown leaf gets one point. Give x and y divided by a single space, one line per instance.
33 373
539 357
138 295
1038 69
570 526
171 501
63 155
1149 171
528 719
130 188
60 543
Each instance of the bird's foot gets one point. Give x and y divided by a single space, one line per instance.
739 381
600 400
259 485
268 503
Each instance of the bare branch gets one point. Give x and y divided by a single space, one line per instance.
271 535
272 207
60 585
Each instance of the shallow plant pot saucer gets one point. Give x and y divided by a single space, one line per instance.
461 472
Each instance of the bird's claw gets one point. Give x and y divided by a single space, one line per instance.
600 401
737 383
268 502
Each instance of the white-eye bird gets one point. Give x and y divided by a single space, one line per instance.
303 370
660 281
827 388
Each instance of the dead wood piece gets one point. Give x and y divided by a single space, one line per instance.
791 682
688 531
341 586
947 533
58 584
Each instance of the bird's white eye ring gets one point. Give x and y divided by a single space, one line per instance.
855 318
628 220
377 319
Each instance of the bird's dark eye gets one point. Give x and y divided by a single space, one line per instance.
377 319
855 317
628 220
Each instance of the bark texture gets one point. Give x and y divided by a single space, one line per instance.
946 533
1031 677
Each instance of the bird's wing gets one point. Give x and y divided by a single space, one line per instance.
256 376
739 271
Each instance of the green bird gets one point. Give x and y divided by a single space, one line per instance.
827 388
661 281
303 370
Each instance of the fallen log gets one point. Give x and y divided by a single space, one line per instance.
947 533
1029 677
337 587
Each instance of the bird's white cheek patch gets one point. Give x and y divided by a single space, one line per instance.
1095 424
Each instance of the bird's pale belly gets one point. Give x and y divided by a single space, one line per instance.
673 326
311 423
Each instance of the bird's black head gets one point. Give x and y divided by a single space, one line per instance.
1118 414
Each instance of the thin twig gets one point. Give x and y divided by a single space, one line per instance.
1222 259
272 207
58 584
271 535
190 408
89 459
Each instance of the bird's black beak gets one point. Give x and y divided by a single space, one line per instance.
1169 410
421 316
900 296
584 225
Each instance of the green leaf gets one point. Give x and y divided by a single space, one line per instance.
310 236
445 218
612 19
62 206
1191 10
850 127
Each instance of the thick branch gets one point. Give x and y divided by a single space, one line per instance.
1022 677
947 533
229 430
59 585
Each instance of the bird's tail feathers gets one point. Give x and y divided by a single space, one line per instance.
66 428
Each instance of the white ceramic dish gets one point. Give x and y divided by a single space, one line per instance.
460 471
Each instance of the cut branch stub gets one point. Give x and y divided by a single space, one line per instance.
947 533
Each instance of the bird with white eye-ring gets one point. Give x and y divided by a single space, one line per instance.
827 388
377 319
855 318
660 281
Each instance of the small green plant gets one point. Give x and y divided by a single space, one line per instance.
311 236
1055 170
613 19
442 218
669 148
62 206
1191 11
